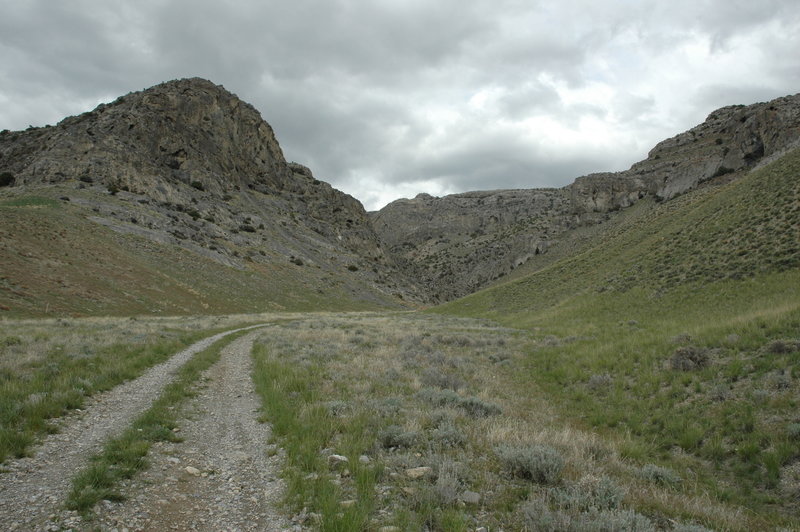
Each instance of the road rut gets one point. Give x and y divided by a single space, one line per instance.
220 476
33 489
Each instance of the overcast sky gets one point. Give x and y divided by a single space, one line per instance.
389 98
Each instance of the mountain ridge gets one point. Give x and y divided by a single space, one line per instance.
437 238
188 164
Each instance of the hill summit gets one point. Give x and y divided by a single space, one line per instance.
186 165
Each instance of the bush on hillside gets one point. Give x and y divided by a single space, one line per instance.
539 463
6 179
688 358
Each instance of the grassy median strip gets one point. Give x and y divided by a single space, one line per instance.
126 454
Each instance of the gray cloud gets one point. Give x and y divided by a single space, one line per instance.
402 96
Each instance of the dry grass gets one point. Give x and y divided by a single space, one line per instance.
81 336
49 367
374 375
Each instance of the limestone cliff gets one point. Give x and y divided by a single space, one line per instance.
457 244
731 139
189 164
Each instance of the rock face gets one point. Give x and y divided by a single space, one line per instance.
188 163
457 244
731 139
156 141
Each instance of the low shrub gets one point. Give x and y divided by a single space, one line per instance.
599 382
589 494
396 436
479 408
8 341
473 406
540 463
688 358
448 486
448 435
540 517
782 347
660 475
435 377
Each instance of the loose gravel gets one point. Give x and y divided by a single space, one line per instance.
220 476
33 489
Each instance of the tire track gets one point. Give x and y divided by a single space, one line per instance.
219 477
33 489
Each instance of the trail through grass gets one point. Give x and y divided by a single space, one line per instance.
49 367
126 454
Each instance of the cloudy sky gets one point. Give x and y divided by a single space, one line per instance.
389 98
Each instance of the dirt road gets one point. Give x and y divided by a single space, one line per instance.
33 489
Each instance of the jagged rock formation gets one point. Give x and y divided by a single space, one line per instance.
457 244
187 163
731 139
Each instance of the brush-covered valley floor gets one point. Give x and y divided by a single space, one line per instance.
401 421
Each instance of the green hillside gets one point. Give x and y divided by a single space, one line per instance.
57 262
678 334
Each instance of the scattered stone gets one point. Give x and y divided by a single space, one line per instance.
364 459
336 460
471 497
192 471
418 472
348 503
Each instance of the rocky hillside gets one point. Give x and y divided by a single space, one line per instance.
188 164
189 168
457 244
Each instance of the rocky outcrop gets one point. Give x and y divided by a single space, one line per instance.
156 141
731 139
188 163
457 244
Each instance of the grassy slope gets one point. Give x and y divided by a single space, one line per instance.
715 270
56 261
